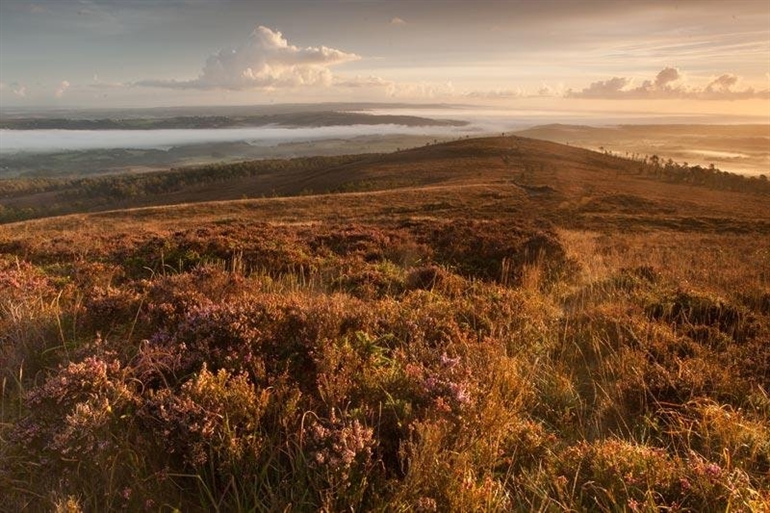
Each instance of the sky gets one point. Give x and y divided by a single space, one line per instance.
670 56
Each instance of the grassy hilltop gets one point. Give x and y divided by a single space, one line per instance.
484 325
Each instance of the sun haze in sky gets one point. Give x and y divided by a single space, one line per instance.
689 56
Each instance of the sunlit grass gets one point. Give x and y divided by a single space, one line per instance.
300 367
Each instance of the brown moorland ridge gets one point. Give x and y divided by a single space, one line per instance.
495 324
552 179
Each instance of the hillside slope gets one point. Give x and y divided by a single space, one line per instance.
494 324
555 179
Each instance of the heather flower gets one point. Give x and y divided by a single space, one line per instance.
713 470
339 447
213 415
81 431
456 394
21 279
449 362
459 393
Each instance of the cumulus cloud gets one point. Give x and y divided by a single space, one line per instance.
602 89
666 76
419 90
612 88
63 86
722 83
264 60
395 89
546 90
496 94
666 86
722 88
371 81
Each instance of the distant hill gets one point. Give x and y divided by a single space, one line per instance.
554 180
289 119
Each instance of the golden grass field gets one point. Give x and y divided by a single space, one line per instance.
496 324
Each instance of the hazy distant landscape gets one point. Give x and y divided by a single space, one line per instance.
741 149
129 142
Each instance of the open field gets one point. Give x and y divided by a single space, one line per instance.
484 325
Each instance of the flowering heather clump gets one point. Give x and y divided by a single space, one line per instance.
72 411
212 416
106 307
340 450
78 425
20 280
169 299
448 385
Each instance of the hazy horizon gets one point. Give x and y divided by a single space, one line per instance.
706 58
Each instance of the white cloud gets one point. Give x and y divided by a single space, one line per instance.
265 60
666 76
546 90
359 81
63 86
664 87
393 89
723 83
721 88
611 88
397 21
496 94
419 90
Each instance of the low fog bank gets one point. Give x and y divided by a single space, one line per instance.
50 141
733 145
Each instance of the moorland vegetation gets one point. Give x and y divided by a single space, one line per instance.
486 325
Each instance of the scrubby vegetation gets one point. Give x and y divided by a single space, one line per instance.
585 344
415 365
655 168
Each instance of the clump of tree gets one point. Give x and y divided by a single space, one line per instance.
711 177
